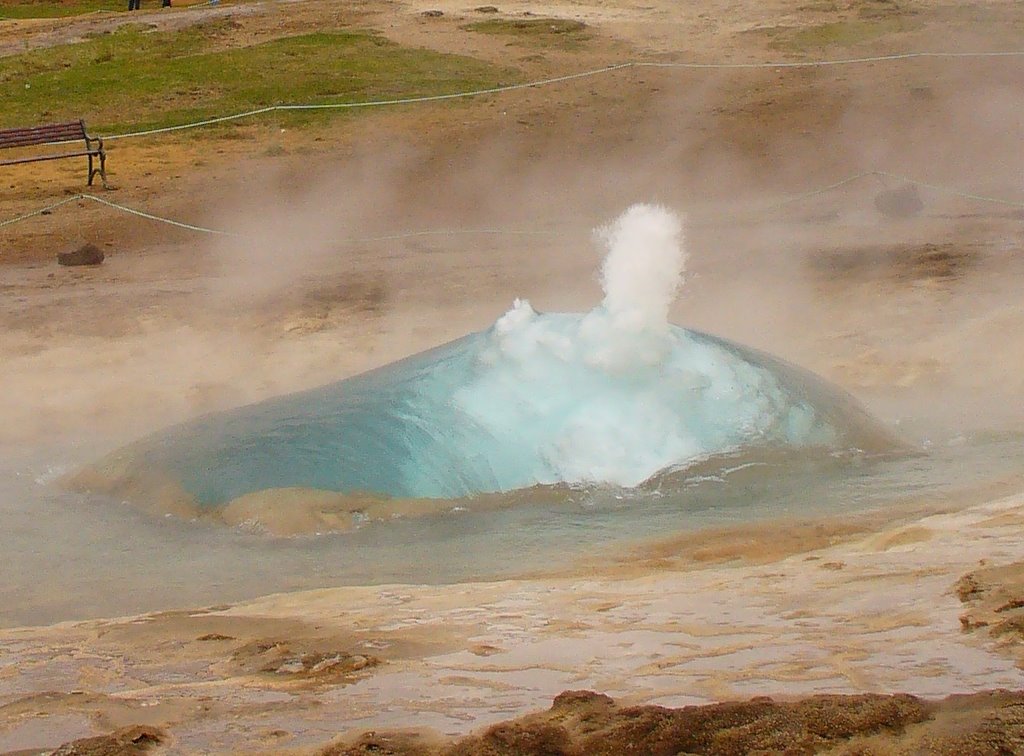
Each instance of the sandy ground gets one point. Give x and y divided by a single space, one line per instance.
919 316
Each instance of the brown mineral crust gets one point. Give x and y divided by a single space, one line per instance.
128 741
584 723
994 596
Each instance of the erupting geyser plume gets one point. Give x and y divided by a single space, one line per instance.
641 275
610 397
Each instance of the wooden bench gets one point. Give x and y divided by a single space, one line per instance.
61 134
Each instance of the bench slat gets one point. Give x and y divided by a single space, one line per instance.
35 135
39 133
27 140
71 126
39 158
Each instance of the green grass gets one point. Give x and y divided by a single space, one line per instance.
837 34
559 32
60 8
137 79
10 9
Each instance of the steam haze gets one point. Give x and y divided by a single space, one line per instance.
894 309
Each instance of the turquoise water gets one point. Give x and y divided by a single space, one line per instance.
70 555
519 405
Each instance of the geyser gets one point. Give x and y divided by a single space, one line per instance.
614 397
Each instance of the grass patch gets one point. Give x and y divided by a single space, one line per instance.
134 79
11 9
836 34
558 32
57 8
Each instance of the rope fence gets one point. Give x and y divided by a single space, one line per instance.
952 191
534 84
220 232
558 79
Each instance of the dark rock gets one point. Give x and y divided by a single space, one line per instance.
486 9
579 700
517 739
87 254
128 741
433 13
899 203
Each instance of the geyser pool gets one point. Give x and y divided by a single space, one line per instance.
71 555
610 397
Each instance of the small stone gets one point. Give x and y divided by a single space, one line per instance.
899 203
291 667
326 664
484 649
486 9
87 254
433 13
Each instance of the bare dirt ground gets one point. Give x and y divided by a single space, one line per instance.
919 316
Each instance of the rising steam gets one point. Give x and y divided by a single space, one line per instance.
643 269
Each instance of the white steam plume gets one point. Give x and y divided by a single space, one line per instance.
644 267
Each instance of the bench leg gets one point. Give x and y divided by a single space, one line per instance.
102 170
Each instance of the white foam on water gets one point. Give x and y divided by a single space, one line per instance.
616 395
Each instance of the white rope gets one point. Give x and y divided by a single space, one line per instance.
221 232
40 211
897 177
838 61
502 231
450 232
949 190
370 103
558 79
159 219
823 190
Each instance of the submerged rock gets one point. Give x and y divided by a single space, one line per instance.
291 511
